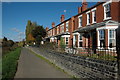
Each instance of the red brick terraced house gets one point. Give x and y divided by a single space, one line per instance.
93 27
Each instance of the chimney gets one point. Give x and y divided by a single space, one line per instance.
53 24
79 10
84 5
62 18
47 29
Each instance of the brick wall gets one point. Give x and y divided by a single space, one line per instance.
82 67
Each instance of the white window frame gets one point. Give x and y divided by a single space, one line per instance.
93 15
108 2
74 34
105 27
80 21
99 38
62 28
80 40
88 17
50 32
67 26
112 38
57 29
53 31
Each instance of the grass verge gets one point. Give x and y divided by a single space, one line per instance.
49 62
9 64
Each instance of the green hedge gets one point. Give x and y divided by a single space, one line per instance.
9 64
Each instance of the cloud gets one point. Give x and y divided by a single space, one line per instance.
15 29
20 35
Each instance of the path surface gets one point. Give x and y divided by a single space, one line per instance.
30 66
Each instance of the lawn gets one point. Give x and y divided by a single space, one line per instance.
9 64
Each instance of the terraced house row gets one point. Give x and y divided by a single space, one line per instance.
93 27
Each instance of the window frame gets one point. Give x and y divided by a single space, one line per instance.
104 5
67 26
111 38
88 18
62 28
94 15
80 21
80 40
101 39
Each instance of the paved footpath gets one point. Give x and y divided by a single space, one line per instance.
31 66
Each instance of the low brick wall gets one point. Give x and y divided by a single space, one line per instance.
81 67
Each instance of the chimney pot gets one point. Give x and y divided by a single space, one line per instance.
62 18
53 24
84 5
47 28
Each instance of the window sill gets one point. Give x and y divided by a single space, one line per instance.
88 24
93 22
79 26
107 18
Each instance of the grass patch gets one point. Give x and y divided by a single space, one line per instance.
49 62
9 64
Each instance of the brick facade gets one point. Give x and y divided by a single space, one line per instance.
90 33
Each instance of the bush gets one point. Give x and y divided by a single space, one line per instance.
9 64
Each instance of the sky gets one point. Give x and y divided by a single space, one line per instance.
16 14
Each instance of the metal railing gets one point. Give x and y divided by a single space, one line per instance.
105 53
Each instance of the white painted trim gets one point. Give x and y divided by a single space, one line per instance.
93 15
65 36
75 33
68 26
94 9
109 38
107 27
79 40
98 41
79 21
87 19
57 29
62 28
110 1
106 18
80 16
87 12
103 28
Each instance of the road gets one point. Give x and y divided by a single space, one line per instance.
31 66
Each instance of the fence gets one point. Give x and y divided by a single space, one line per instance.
105 53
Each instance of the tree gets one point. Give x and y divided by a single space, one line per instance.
10 43
30 26
4 39
62 43
38 33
